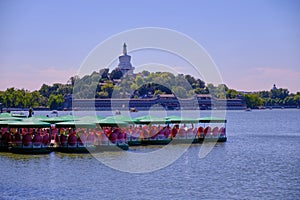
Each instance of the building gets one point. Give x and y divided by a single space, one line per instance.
166 101
124 62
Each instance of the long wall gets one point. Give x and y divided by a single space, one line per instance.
170 103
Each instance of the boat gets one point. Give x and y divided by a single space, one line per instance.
30 136
248 109
19 115
54 112
87 137
133 110
152 130
97 134
31 150
112 135
75 149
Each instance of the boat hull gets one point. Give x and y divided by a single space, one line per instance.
4 148
148 142
175 141
21 150
118 147
93 149
74 149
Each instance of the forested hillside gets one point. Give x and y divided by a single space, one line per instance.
105 84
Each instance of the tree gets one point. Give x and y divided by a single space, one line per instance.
289 101
116 74
45 90
104 74
134 87
107 88
253 100
158 92
9 97
73 80
279 93
297 99
220 91
179 91
102 95
55 101
201 91
264 94
145 73
191 80
139 81
200 83
231 94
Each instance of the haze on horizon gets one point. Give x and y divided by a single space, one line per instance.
254 43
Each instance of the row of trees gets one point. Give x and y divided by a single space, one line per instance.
278 97
105 84
47 96
112 85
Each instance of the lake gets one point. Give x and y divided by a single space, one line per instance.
260 160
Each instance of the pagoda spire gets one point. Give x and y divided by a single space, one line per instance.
124 49
124 62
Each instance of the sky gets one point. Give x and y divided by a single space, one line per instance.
254 44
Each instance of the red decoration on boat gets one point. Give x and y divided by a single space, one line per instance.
63 140
6 138
215 131
27 140
46 139
37 140
72 140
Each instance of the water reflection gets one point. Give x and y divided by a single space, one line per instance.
23 157
260 160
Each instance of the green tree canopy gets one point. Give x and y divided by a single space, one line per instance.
55 101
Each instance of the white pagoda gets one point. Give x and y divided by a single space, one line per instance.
124 62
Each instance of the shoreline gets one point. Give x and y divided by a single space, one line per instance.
48 109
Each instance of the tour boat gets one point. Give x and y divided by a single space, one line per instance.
161 131
148 130
86 137
30 136
133 110
97 134
19 115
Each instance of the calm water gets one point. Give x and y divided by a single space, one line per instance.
261 160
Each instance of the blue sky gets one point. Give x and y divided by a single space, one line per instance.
254 43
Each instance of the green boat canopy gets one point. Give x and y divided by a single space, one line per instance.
148 119
28 123
5 115
91 119
54 120
123 118
112 121
212 120
5 123
75 124
9 117
39 117
178 119
154 121
69 117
